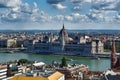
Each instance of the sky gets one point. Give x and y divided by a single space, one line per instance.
51 14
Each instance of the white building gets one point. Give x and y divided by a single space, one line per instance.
3 72
67 45
11 43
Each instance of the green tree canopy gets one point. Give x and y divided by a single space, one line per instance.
64 63
23 61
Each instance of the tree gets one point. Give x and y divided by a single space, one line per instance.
22 61
64 63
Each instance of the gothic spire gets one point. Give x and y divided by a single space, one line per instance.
113 56
63 26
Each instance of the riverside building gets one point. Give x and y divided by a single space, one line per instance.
63 44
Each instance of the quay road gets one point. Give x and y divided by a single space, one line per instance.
14 50
7 50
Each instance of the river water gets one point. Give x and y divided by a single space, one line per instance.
94 65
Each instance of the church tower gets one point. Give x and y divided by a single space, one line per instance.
113 56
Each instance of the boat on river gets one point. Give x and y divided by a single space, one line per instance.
96 57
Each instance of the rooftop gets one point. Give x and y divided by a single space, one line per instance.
54 76
3 66
28 78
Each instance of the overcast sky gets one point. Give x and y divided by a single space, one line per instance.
51 14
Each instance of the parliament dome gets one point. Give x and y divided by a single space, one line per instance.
63 31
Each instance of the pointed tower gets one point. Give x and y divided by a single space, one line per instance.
113 56
63 36
63 26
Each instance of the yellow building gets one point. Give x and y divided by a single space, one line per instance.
55 76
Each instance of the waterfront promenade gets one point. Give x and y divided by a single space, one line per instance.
9 50
17 50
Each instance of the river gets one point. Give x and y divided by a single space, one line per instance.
94 65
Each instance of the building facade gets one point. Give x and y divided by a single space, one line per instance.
3 72
67 45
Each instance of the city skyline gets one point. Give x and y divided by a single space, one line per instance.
51 14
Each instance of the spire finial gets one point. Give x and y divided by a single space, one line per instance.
113 47
63 26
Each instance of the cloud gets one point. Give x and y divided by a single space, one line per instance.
58 18
72 18
89 1
80 1
75 14
106 4
25 8
69 18
54 1
19 12
103 16
59 6
76 1
9 3
56 4
3 6
77 18
77 8
96 15
22 13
